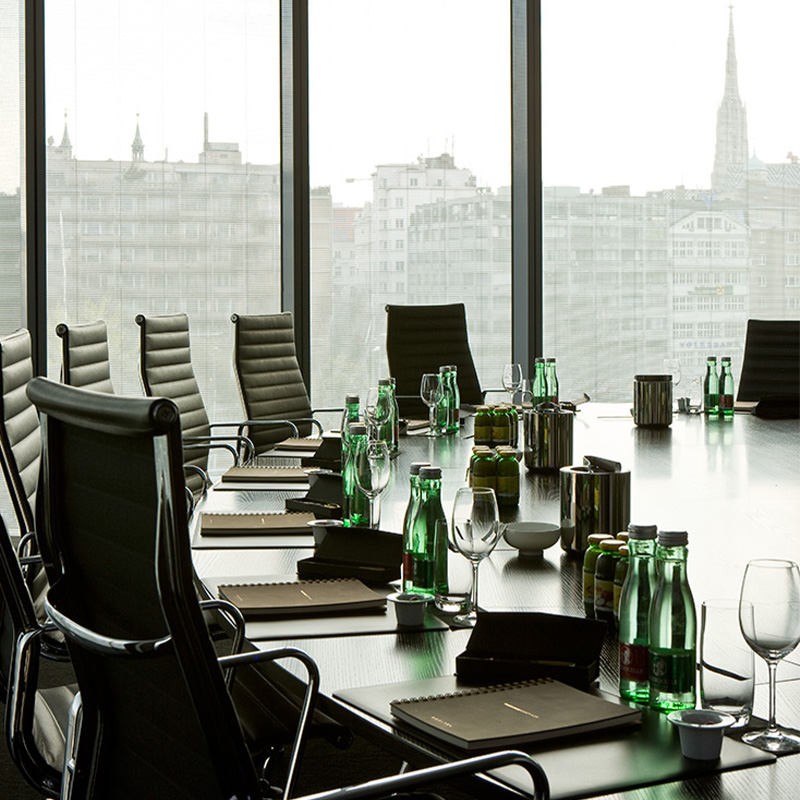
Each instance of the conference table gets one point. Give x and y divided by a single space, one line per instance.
733 485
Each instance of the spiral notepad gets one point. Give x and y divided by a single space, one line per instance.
303 598
511 714
244 524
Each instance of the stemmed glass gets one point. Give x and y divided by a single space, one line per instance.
474 531
430 390
769 616
512 378
373 467
672 366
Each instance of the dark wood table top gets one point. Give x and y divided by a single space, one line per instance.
734 486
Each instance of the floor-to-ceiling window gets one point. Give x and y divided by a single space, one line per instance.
671 207
410 142
163 174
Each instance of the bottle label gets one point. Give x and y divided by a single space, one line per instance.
726 402
672 671
508 489
588 587
633 662
603 595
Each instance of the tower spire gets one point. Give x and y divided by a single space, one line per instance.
65 142
730 154
137 146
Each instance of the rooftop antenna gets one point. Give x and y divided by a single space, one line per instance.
205 131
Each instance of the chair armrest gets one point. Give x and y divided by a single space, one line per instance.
207 484
309 699
100 643
26 542
236 619
441 772
224 442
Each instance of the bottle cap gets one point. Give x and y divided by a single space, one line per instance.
726 358
622 536
538 360
642 531
550 360
673 538
610 545
711 358
428 473
416 466
385 382
596 538
624 552
351 399
481 409
357 429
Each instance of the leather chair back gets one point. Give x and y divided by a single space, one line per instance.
771 363
421 339
268 375
84 356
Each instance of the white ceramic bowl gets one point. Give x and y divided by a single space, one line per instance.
531 538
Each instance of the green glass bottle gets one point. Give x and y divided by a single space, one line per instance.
507 476
384 413
501 427
429 536
620 573
726 389
408 520
483 425
349 415
395 448
711 388
634 614
673 627
589 563
539 389
444 406
552 380
355 501
483 472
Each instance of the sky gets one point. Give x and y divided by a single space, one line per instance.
630 87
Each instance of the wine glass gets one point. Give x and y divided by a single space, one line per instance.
430 390
474 530
371 409
672 366
373 467
512 378
769 616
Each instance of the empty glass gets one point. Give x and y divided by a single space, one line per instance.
726 661
769 616
430 390
474 531
372 468
512 378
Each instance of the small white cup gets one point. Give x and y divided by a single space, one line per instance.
410 608
320 528
701 731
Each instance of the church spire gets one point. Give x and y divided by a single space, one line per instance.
66 144
137 146
730 155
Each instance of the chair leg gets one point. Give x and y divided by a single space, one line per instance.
71 746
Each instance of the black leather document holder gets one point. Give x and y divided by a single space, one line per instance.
328 455
370 555
508 646
324 497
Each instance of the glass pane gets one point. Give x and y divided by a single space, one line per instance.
410 175
12 186
671 206
163 177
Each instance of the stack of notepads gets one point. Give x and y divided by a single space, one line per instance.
241 524
512 714
303 598
296 444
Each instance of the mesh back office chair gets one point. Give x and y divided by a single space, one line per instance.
268 375
84 356
771 363
157 720
420 339
37 720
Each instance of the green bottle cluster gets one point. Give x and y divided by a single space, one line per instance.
408 524
718 388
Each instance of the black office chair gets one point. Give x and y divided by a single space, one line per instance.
157 721
84 356
36 720
420 339
771 363
20 455
165 364
268 375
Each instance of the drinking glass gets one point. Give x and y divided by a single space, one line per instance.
474 530
672 366
512 378
371 409
726 661
430 390
373 467
769 616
